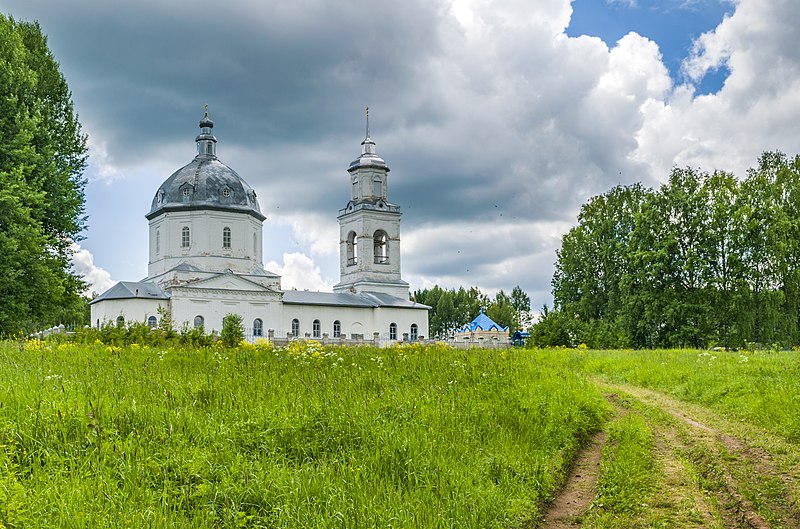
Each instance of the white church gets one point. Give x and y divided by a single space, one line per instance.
206 261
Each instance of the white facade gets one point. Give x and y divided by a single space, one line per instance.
212 240
205 261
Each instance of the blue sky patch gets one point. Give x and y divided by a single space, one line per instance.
672 24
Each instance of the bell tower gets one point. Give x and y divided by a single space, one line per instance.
369 230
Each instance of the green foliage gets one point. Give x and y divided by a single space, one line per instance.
13 501
702 260
451 309
302 436
626 473
42 157
232 330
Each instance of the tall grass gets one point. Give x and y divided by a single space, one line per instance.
760 387
101 436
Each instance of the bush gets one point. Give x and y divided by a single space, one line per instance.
232 330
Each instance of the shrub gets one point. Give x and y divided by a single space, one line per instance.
232 330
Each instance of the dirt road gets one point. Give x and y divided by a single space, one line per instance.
710 472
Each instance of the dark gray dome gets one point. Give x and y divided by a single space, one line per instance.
205 183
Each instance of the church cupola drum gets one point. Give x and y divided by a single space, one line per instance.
369 228
205 216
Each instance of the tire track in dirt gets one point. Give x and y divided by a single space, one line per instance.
573 500
723 462
711 475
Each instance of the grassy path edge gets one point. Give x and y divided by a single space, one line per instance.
696 468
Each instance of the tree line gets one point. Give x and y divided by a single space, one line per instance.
705 260
42 158
451 309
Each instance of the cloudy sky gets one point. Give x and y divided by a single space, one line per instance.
497 118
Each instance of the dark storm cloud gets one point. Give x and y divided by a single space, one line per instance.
276 74
496 125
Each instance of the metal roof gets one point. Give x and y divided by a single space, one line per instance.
205 183
363 299
132 290
481 322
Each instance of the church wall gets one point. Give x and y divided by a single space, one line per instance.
354 320
404 318
206 241
133 310
214 305
365 224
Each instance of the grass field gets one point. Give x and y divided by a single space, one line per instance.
417 436
254 437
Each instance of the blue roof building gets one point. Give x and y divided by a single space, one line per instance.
482 331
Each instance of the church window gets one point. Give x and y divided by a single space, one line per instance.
315 328
414 332
185 237
158 242
255 246
295 327
393 331
152 322
376 186
352 248
226 237
258 327
226 192
355 188
120 321
380 247
199 322
337 329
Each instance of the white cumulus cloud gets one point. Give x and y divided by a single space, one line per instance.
97 279
299 272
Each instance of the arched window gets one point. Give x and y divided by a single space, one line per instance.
158 242
258 327
198 322
352 248
380 247
120 320
226 237
393 331
355 188
337 329
414 332
152 322
316 329
295 327
185 237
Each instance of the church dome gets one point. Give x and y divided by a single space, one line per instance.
205 183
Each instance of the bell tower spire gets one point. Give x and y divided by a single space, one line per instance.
369 228
206 142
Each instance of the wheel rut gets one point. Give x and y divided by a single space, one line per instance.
711 474
572 502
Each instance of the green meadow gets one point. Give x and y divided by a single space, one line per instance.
306 436
103 436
